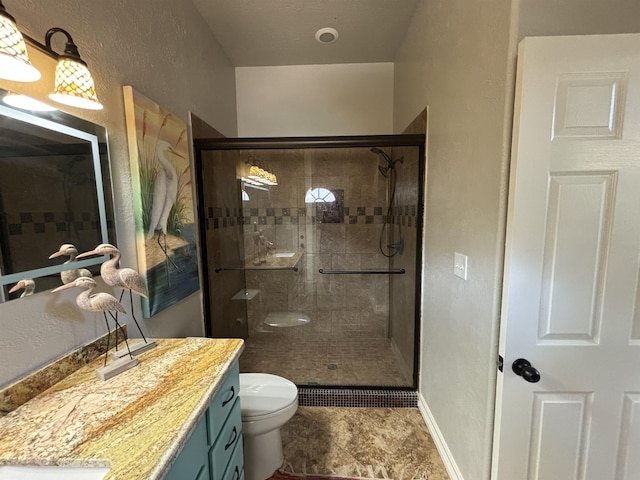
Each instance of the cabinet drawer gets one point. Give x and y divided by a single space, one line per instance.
223 448
204 473
192 461
223 402
234 469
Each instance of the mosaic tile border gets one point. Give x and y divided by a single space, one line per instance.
218 217
49 222
345 397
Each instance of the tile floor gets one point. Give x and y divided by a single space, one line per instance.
372 443
348 360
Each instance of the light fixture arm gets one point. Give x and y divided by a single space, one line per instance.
74 85
70 48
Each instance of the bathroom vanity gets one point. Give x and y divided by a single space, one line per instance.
176 415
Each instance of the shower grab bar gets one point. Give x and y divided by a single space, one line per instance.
394 271
229 269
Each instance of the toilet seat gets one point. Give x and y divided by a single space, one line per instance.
263 395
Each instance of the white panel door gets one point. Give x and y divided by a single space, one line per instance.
571 305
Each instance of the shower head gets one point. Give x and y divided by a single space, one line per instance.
383 154
391 164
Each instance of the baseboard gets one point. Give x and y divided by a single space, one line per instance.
438 439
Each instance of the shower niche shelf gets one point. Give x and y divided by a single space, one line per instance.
275 261
246 294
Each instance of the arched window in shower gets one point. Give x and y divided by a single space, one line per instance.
319 195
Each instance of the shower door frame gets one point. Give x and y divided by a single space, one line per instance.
357 141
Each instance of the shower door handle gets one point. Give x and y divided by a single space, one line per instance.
396 271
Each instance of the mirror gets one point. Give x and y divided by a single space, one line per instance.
55 189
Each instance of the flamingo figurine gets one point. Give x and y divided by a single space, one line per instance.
96 302
126 278
28 285
69 276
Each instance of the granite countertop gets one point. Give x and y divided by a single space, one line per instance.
135 423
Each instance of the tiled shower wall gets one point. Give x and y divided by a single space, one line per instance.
345 237
224 245
407 220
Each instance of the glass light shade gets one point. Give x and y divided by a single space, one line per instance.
25 102
14 59
256 173
261 175
74 85
271 177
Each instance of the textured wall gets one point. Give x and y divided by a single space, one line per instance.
454 60
311 100
577 17
458 58
164 50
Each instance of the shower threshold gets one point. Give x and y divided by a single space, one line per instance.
361 397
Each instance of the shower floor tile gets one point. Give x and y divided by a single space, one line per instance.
324 360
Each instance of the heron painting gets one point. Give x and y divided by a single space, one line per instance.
163 202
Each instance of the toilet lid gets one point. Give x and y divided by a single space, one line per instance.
263 393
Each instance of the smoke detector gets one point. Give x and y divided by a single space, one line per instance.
327 35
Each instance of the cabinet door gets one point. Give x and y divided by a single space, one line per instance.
229 439
192 463
223 402
236 464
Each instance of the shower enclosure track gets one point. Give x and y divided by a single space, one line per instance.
229 269
393 271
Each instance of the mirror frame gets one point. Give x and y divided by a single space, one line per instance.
96 135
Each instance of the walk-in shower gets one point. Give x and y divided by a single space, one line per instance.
312 254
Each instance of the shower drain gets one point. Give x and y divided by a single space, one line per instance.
332 366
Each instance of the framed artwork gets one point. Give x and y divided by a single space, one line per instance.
162 202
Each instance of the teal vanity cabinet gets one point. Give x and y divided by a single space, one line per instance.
214 450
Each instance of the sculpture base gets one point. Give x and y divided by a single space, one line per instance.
135 348
117 366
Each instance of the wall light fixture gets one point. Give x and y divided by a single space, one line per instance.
74 85
258 174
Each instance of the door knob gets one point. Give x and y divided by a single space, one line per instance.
523 368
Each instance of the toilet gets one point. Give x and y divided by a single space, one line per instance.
267 402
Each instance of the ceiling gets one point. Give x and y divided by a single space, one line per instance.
282 32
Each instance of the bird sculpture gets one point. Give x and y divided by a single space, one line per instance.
96 302
27 284
68 276
125 278
165 194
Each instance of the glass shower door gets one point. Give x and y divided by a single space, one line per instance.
324 263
